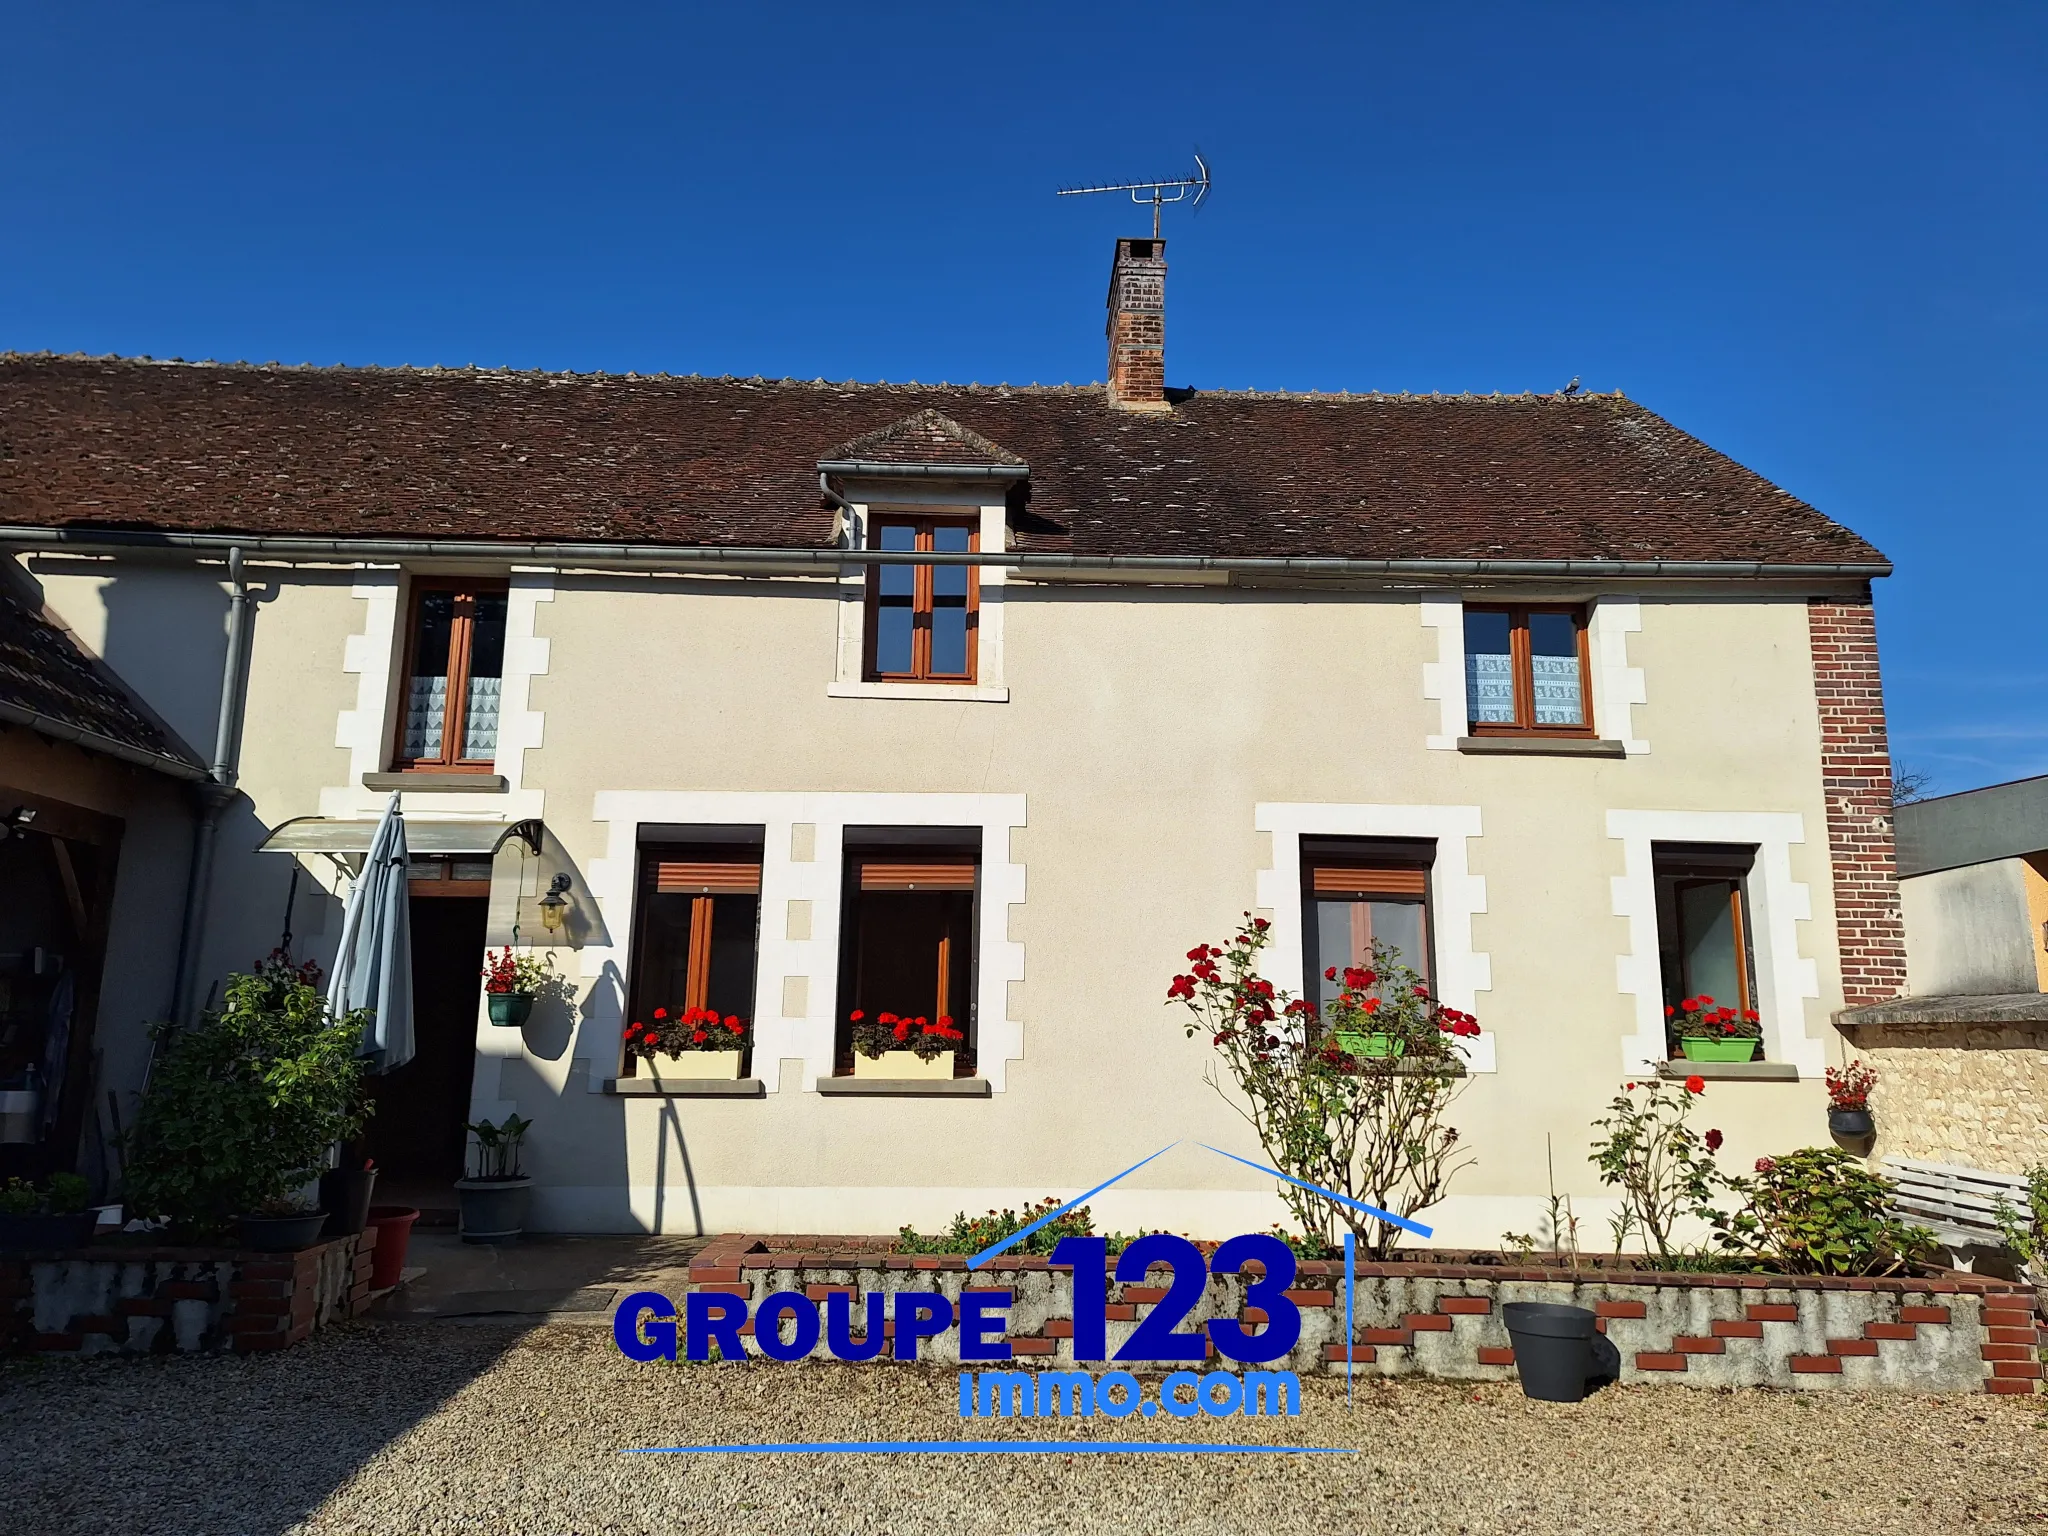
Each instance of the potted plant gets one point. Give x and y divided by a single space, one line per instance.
1849 1100
243 1109
892 1045
512 982
493 1198
689 1047
283 1225
54 1216
1707 1033
1380 1012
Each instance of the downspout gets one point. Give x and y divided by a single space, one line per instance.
214 793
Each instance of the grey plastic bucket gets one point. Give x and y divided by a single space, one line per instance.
1553 1349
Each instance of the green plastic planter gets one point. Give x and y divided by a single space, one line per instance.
1719 1048
1363 1046
509 1008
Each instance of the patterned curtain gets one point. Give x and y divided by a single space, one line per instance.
1490 687
1559 699
426 710
480 727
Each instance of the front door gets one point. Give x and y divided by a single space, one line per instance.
416 1134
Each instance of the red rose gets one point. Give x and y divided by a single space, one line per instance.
1330 974
1695 1085
1764 1165
1260 924
1714 1140
1420 991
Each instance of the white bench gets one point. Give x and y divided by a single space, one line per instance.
1960 1204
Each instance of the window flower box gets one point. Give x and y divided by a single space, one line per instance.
695 1067
1370 1046
904 1064
899 1046
694 1046
1707 1033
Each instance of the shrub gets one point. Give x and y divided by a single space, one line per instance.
1368 1128
971 1234
1821 1212
242 1107
1663 1168
2026 1231
66 1194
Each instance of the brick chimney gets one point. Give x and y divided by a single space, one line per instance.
1137 326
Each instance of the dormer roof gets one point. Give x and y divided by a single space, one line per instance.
925 442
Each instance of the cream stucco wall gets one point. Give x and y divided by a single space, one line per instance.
1144 730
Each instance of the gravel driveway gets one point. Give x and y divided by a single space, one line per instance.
432 1427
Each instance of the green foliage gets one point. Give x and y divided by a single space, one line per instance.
242 1107
66 1194
2026 1231
498 1146
1821 1212
1664 1169
971 1234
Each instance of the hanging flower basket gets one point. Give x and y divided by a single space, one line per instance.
510 1009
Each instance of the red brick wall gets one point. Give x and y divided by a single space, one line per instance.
1137 324
1856 773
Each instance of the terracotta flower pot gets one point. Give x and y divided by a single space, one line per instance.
394 1236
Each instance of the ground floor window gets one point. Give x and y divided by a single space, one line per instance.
1357 892
1703 928
696 930
907 945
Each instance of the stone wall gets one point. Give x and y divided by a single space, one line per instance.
1943 1333
1974 1093
108 1299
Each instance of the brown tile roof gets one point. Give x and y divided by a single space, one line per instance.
926 438
404 453
49 684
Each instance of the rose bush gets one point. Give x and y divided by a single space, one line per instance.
1370 1128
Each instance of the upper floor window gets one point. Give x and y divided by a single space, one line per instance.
1526 670
454 663
922 618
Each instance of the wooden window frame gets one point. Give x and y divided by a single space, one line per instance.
1739 932
702 874
1525 674
1364 878
454 720
921 601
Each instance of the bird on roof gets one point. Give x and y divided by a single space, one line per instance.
1572 388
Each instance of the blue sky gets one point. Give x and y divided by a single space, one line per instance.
1816 242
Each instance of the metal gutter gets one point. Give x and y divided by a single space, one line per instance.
92 741
624 556
871 469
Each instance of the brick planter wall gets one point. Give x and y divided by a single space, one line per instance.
107 1299
1950 1333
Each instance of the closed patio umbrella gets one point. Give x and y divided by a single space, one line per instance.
373 968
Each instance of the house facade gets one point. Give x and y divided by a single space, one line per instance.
990 702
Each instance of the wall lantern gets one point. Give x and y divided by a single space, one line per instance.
554 907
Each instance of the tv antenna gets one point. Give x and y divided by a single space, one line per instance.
1198 184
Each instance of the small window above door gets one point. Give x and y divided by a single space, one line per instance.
454 669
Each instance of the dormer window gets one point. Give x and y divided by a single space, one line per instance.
922 619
